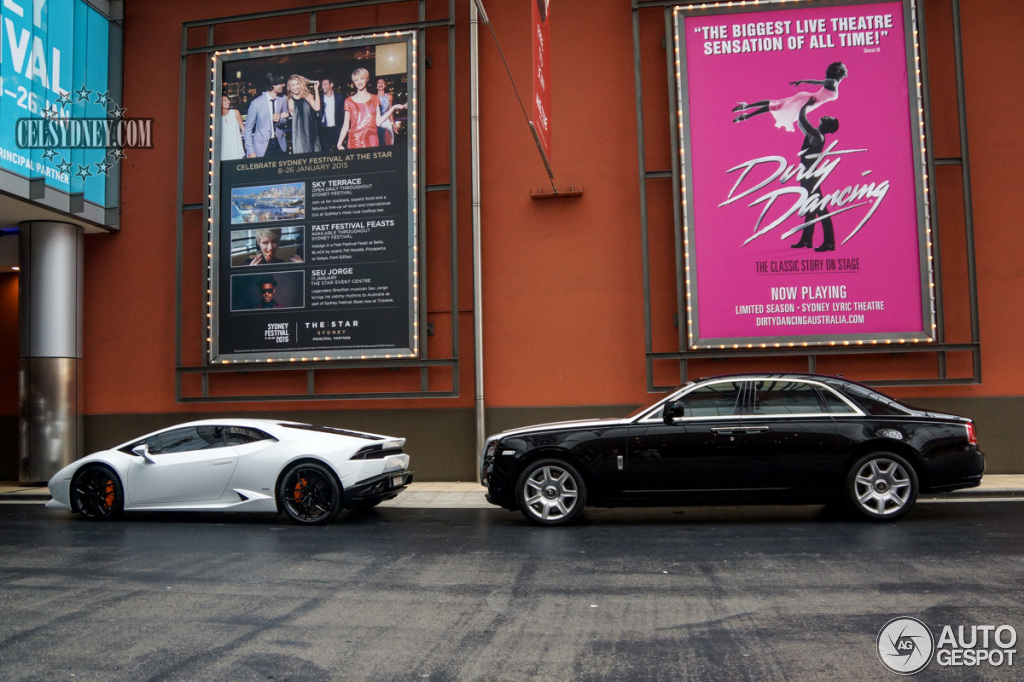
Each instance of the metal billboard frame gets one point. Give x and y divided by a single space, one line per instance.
647 11
443 381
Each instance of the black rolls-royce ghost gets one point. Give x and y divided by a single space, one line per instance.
756 438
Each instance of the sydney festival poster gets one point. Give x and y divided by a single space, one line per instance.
805 206
313 233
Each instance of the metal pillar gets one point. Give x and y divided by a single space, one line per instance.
476 14
50 324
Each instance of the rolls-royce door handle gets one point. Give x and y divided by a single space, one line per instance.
729 430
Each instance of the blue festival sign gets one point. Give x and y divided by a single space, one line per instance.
54 66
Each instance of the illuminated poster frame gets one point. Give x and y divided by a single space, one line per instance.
313 242
804 187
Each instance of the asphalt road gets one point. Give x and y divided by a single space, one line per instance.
767 593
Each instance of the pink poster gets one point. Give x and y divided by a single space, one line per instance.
805 212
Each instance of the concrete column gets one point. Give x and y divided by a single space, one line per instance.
50 325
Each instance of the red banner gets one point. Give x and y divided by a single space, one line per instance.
541 76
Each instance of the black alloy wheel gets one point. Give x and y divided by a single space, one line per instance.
551 492
881 486
309 494
96 493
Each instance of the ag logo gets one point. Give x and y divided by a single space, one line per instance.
905 645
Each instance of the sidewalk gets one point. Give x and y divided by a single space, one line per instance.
451 495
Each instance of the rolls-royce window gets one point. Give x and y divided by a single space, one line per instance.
872 402
722 399
786 397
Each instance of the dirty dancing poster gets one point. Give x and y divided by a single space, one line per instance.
805 212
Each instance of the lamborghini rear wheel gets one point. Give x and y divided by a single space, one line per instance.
309 494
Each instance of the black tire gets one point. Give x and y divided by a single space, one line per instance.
96 493
309 494
551 492
881 486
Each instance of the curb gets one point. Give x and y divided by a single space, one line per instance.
976 494
20 496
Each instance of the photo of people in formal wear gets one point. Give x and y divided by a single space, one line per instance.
267 119
304 111
231 129
364 115
385 131
332 113
278 290
314 101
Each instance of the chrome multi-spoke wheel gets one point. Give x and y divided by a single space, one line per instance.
551 492
96 493
882 486
309 494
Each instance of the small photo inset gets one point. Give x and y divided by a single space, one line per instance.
267 246
268 203
267 291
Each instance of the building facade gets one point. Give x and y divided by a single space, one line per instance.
519 295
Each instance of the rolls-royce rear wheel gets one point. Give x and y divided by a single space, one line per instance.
881 486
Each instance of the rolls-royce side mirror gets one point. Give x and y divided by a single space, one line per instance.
673 411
